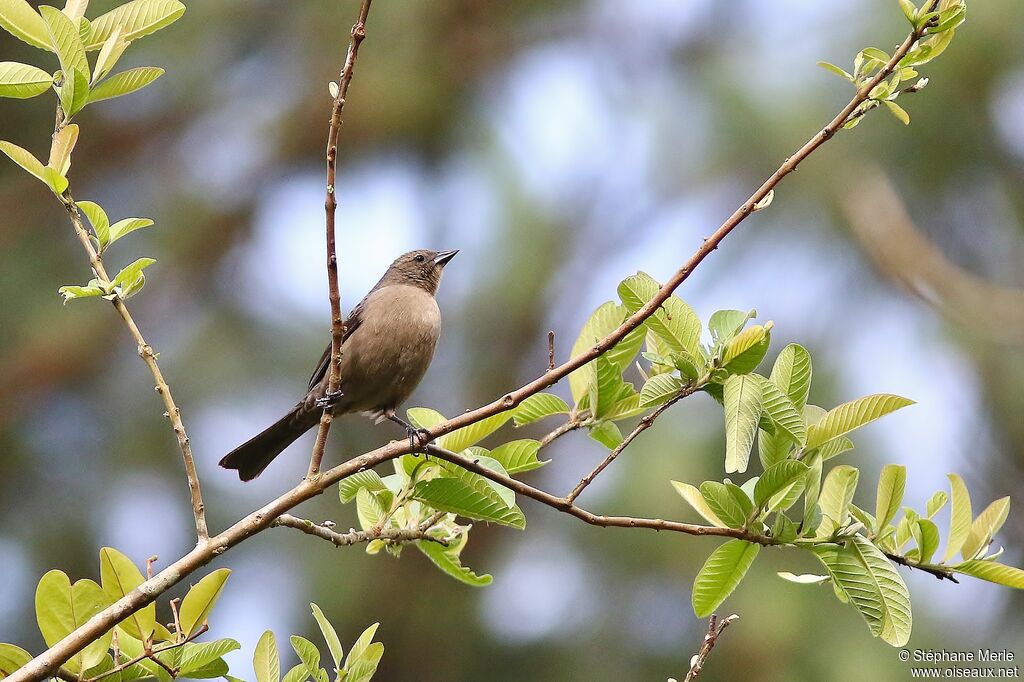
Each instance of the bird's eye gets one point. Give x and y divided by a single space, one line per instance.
419 258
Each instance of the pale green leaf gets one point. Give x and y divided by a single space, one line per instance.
777 478
202 661
607 434
450 564
835 498
362 645
330 635
11 658
537 407
935 503
852 415
119 576
19 19
266 662
985 527
725 324
782 411
349 487
891 485
62 607
872 584
296 674
660 389
200 599
993 572
727 502
125 82
834 448
65 40
699 504
773 447
518 456
22 81
61 147
744 352
804 578
792 373
424 417
26 160
113 48
927 540
309 655
130 278
138 17
674 322
720 575
604 320
898 112
98 218
460 497
961 515
742 399
123 227
828 66
368 509
460 439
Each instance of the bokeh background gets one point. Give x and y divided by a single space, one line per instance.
561 146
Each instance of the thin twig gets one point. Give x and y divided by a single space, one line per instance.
573 423
395 535
149 356
47 662
551 350
642 426
151 654
940 572
715 629
330 204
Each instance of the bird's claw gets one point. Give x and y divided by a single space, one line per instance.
329 400
417 437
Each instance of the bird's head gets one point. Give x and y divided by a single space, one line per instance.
420 268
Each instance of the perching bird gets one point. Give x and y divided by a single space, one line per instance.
388 344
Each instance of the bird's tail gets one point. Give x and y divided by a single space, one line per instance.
253 456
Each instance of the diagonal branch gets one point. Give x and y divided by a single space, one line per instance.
330 206
50 660
148 355
642 426
715 629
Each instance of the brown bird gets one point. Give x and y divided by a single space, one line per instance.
388 344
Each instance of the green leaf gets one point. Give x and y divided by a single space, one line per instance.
742 398
518 456
778 478
852 415
98 218
725 324
607 434
70 292
74 99
266 662
898 112
674 322
361 645
65 40
935 503
697 501
198 659
660 389
200 599
22 81
26 160
773 447
927 540
123 227
782 411
792 373
310 657
783 528
834 448
460 497
424 417
745 351
330 635
829 66
296 674
909 10
11 658
871 583
960 516
812 490
364 669
130 279
891 486
368 509
119 576
993 572
349 487
984 527
139 18
481 482
728 502
460 439
608 390
61 147
450 564
835 498
62 607
606 319
720 575
125 83
19 19
110 53
537 407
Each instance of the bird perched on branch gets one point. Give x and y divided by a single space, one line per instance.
388 344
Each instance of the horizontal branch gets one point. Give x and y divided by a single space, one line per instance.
355 537
940 572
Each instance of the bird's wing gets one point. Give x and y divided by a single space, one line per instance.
351 324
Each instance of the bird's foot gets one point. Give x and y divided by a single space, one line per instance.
417 437
329 400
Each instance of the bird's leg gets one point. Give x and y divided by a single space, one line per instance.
417 437
329 400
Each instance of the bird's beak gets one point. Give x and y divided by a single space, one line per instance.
443 257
